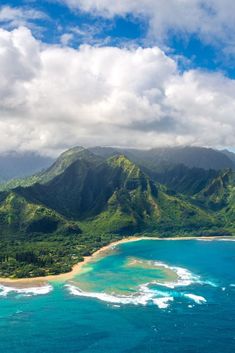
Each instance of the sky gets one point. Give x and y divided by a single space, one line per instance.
131 73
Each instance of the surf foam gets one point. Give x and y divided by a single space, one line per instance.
228 239
196 298
185 277
144 297
31 291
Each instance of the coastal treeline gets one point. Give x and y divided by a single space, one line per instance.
47 256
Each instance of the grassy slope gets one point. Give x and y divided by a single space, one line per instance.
140 205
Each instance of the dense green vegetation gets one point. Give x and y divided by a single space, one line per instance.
47 255
83 201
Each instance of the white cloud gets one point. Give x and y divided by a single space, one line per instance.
19 63
12 17
66 38
210 19
54 97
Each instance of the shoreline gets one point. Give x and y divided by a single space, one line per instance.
68 275
43 280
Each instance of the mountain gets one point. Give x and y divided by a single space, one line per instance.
217 194
44 176
65 160
184 170
117 193
185 180
229 154
19 165
112 195
158 159
15 165
49 221
162 164
19 217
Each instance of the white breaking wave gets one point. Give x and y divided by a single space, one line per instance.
144 297
196 298
214 239
185 277
40 290
163 303
228 239
203 239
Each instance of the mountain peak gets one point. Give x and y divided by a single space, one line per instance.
72 151
66 159
121 161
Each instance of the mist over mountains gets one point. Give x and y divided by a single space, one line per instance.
22 164
198 157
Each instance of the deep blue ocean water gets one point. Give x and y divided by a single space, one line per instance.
63 319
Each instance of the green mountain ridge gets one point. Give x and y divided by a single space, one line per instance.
114 189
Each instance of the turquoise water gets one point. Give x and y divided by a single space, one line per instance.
146 296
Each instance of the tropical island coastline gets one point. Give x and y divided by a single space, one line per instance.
104 251
51 221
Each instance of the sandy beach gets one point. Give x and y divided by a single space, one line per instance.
39 281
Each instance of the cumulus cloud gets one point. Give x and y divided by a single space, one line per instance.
53 97
210 19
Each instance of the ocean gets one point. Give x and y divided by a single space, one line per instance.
160 296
